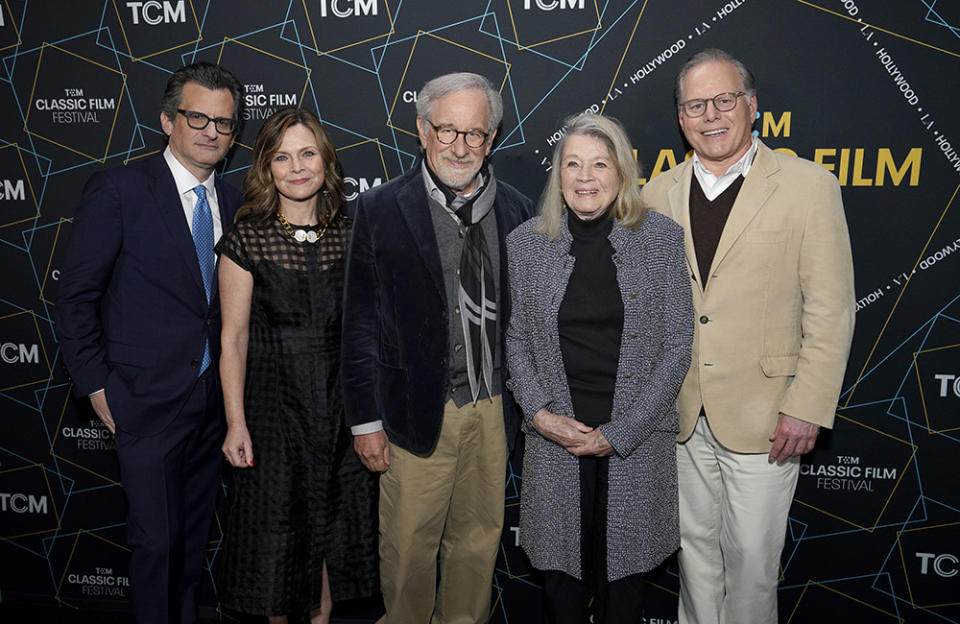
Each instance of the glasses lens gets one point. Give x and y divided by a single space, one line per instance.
225 125
474 139
694 108
725 101
197 121
446 135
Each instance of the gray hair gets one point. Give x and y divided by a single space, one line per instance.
452 83
628 207
715 55
207 75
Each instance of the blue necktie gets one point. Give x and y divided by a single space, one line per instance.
203 240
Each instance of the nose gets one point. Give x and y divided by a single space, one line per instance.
711 111
210 131
459 146
295 163
585 173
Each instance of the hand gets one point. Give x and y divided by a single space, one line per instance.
237 447
596 444
567 432
99 402
373 449
792 437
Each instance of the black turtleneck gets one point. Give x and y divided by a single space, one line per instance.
590 320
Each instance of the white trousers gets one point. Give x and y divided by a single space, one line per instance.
733 520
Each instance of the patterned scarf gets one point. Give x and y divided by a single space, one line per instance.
477 294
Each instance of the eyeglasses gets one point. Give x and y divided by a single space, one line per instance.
723 102
199 121
473 138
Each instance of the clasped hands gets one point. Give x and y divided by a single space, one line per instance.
571 434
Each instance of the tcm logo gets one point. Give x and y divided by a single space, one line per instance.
346 8
23 503
153 12
550 5
360 185
19 353
943 565
946 386
12 189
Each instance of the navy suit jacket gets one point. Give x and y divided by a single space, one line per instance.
132 316
395 331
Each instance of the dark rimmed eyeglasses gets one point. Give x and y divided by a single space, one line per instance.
723 102
199 121
473 138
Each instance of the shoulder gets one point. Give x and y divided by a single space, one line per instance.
667 179
526 235
800 168
389 190
508 193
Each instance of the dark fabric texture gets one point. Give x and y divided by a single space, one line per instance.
707 219
308 499
590 321
395 336
132 314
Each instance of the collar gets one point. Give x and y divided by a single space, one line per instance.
185 180
442 193
742 166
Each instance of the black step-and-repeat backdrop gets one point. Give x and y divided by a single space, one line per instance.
867 88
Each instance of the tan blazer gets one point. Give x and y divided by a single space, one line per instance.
773 325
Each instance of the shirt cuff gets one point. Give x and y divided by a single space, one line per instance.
368 427
97 392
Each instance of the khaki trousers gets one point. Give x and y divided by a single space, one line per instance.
448 504
733 523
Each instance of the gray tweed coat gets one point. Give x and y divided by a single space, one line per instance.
642 527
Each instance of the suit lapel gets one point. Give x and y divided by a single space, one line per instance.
164 189
755 191
413 206
679 199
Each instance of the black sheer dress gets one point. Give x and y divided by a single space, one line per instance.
307 499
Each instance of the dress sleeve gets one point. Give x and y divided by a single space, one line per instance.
235 245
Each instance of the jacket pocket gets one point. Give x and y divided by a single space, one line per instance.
120 353
779 365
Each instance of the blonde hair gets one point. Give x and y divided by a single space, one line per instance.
628 207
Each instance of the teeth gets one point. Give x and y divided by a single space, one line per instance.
714 132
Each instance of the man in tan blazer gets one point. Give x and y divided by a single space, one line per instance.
772 277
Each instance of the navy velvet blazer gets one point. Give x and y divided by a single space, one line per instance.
132 316
395 337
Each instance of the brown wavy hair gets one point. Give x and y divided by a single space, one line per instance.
260 197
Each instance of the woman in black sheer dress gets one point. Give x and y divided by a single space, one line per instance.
301 529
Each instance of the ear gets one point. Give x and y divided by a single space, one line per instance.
493 135
423 130
166 123
753 108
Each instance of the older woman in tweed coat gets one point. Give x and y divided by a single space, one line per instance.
597 347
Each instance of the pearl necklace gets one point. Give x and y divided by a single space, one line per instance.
300 235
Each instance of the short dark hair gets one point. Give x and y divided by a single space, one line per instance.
208 75
715 55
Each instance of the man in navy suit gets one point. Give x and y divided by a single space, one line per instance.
138 320
426 303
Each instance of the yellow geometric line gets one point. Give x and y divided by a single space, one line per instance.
923 400
899 296
839 593
883 30
376 140
316 47
33 195
616 74
179 45
893 490
520 46
53 503
46 270
116 110
903 560
247 45
403 76
13 23
42 348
